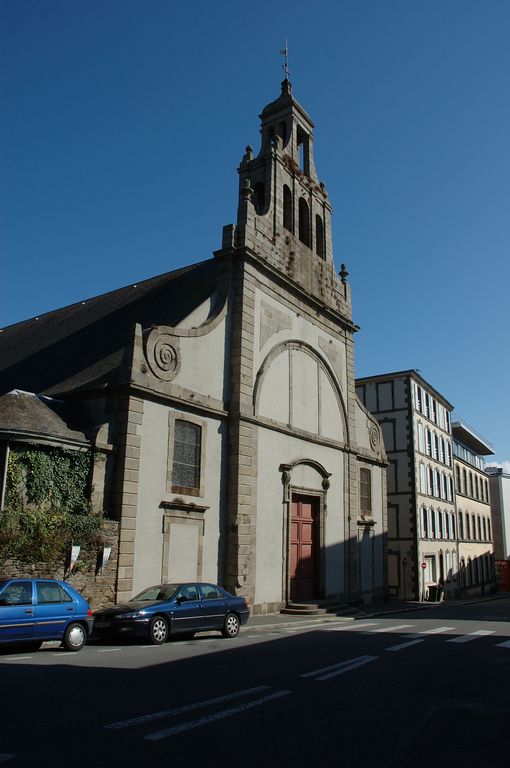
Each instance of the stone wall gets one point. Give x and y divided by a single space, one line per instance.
96 584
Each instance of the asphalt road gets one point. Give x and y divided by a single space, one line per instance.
412 689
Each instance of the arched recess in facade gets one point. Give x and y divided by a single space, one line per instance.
324 365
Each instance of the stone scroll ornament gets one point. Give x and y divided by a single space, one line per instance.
162 352
375 437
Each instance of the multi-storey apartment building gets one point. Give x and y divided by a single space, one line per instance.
474 523
422 531
499 488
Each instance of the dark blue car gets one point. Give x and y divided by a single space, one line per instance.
35 610
171 609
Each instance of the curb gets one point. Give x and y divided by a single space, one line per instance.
325 619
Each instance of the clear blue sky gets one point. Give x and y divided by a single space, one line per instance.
123 124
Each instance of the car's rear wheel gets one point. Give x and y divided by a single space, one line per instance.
75 637
158 630
231 626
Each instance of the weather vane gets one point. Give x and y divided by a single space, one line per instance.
285 66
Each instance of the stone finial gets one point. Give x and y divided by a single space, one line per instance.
286 87
343 274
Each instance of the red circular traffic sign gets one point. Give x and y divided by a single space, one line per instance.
424 565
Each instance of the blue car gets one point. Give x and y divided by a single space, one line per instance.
35 610
173 609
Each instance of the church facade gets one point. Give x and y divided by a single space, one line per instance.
223 396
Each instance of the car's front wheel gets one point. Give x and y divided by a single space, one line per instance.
158 630
75 637
231 626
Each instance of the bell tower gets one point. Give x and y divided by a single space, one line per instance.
284 214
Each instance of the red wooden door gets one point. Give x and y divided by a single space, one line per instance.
302 547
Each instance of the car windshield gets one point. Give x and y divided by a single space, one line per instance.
158 592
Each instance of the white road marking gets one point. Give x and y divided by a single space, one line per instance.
338 669
186 708
353 626
391 629
109 650
506 644
472 636
436 631
17 658
213 718
401 646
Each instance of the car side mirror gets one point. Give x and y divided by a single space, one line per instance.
181 599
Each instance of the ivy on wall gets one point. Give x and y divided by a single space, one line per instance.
47 504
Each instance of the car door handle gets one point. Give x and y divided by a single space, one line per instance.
70 609
28 610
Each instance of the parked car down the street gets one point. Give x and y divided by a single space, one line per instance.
173 609
35 610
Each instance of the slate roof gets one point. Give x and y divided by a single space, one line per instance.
24 414
88 344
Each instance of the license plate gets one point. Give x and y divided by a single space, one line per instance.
102 624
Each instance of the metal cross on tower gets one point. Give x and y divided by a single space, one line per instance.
285 65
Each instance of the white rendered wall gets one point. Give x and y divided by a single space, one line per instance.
152 490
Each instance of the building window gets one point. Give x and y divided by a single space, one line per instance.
484 523
319 237
186 463
259 198
461 525
464 484
489 529
457 478
425 526
452 529
468 533
421 440
471 485
473 527
304 222
303 142
365 491
287 208
423 481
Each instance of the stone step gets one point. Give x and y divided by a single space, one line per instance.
316 608
302 610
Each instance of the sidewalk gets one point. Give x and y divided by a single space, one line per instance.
356 613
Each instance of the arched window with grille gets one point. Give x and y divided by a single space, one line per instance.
365 491
186 459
